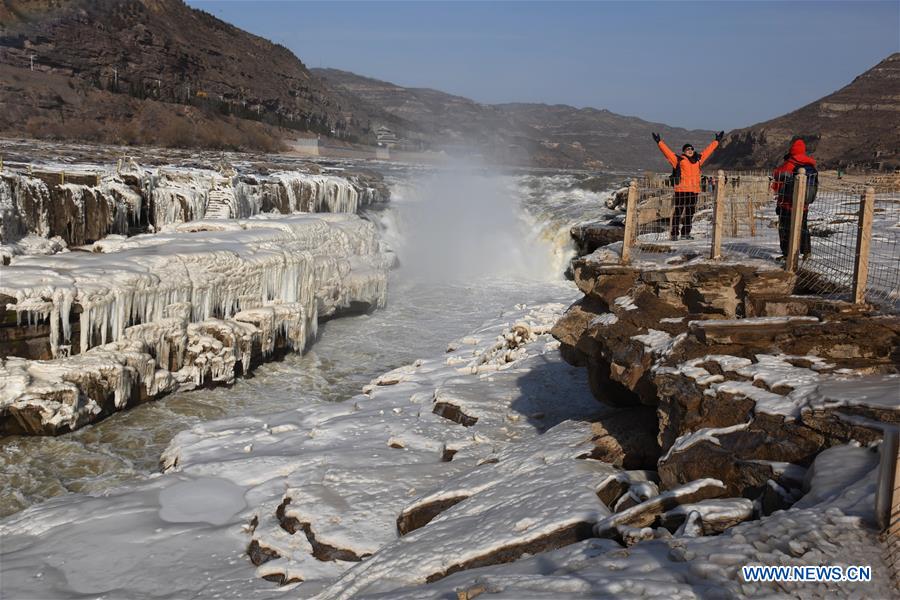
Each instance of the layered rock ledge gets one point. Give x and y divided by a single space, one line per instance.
750 382
79 204
92 333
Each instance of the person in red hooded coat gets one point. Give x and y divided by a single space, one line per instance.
795 159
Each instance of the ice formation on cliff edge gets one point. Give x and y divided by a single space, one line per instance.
94 205
190 302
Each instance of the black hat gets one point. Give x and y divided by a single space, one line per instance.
686 146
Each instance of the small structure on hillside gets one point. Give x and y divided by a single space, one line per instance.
385 137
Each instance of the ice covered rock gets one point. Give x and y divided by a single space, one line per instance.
79 211
647 300
383 471
650 511
201 304
530 500
713 516
319 263
750 382
590 236
829 530
84 206
757 423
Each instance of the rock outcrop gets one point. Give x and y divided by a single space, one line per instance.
91 203
750 382
155 314
590 236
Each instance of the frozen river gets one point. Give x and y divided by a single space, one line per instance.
469 246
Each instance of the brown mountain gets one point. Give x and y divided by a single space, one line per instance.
140 70
858 125
618 140
551 136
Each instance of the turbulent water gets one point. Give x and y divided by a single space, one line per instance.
469 246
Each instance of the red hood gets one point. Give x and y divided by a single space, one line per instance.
798 153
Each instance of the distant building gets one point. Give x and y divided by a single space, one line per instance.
386 137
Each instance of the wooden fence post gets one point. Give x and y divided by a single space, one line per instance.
751 214
733 210
892 535
798 203
718 217
887 497
863 241
888 489
631 218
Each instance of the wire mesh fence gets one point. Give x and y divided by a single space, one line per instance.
664 214
883 282
750 223
754 223
827 262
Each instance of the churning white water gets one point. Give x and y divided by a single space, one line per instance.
462 225
467 251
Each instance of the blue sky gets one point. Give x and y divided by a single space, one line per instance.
711 65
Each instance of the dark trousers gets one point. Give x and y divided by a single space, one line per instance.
684 205
784 232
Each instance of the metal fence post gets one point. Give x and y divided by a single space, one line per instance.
797 205
863 241
718 216
630 221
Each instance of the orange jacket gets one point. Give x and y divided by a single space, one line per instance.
690 171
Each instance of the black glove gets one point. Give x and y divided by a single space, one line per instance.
720 136
656 138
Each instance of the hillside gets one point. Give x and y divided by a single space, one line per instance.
856 126
145 71
161 73
550 136
590 132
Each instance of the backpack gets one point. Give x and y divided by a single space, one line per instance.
812 184
675 178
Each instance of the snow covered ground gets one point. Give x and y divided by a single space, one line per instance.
260 457
474 456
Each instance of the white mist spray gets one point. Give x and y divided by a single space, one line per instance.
461 225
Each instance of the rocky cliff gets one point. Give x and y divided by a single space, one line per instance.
858 125
153 71
749 381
